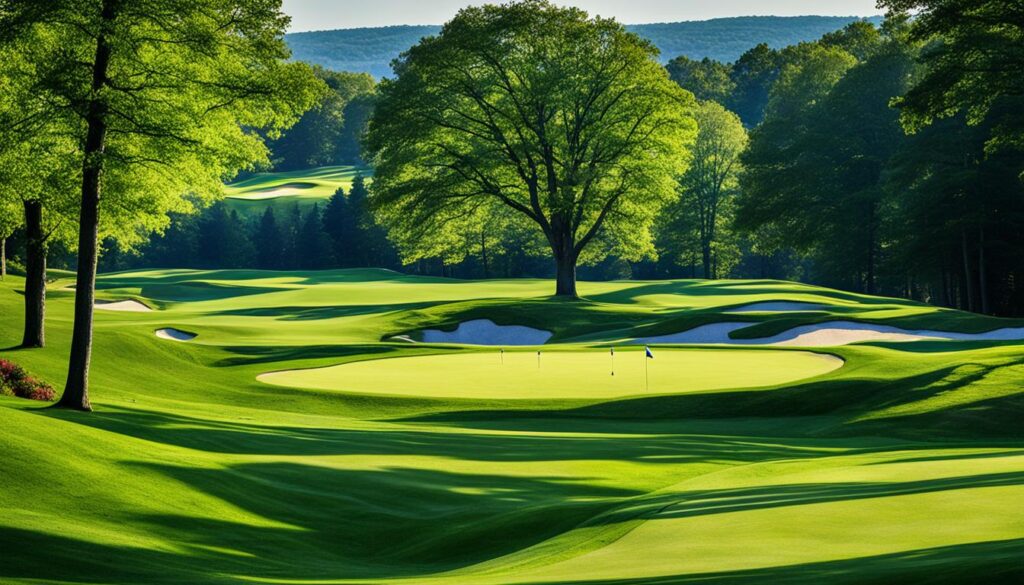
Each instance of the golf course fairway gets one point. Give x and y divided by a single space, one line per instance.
562 374
291 440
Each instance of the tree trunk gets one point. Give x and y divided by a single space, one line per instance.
3 257
483 254
35 276
982 275
705 252
76 390
565 283
871 250
968 277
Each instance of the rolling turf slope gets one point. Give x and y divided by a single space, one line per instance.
283 190
426 463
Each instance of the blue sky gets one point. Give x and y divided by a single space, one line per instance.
330 14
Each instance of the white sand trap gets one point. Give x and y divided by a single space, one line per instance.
128 306
777 307
282 191
827 334
175 334
401 339
487 332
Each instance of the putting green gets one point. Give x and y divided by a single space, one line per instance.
585 374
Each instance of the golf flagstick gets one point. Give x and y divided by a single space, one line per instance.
648 355
538 359
613 361
502 351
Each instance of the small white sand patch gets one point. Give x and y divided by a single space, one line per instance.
128 306
777 307
401 339
487 332
175 334
827 334
282 191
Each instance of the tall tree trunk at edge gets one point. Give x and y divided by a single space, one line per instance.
35 276
3 257
968 277
982 276
76 390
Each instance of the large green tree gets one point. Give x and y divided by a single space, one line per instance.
708 186
816 166
168 94
37 174
567 120
975 57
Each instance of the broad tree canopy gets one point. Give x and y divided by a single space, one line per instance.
567 120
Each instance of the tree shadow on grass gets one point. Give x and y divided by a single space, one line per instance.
964 564
244 355
237 437
319 523
307 313
721 501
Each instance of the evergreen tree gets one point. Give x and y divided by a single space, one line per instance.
373 248
342 227
223 242
314 246
268 242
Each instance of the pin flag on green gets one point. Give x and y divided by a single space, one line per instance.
613 360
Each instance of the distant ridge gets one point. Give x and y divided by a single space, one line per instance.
371 50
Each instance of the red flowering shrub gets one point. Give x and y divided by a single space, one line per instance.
15 381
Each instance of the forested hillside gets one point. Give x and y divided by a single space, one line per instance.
371 50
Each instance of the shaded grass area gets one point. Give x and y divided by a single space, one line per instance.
191 471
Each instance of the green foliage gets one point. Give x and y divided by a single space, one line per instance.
706 79
186 88
564 119
815 165
702 216
974 58
320 135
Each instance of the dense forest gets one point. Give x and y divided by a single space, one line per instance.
371 50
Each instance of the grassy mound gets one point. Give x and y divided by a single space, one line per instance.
904 465
283 190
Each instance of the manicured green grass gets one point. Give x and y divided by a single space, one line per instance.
906 464
580 374
283 190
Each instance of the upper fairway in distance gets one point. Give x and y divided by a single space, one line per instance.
282 190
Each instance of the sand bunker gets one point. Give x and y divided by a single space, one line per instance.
128 306
487 332
827 334
777 307
282 191
175 334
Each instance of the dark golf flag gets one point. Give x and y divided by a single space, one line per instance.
647 350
